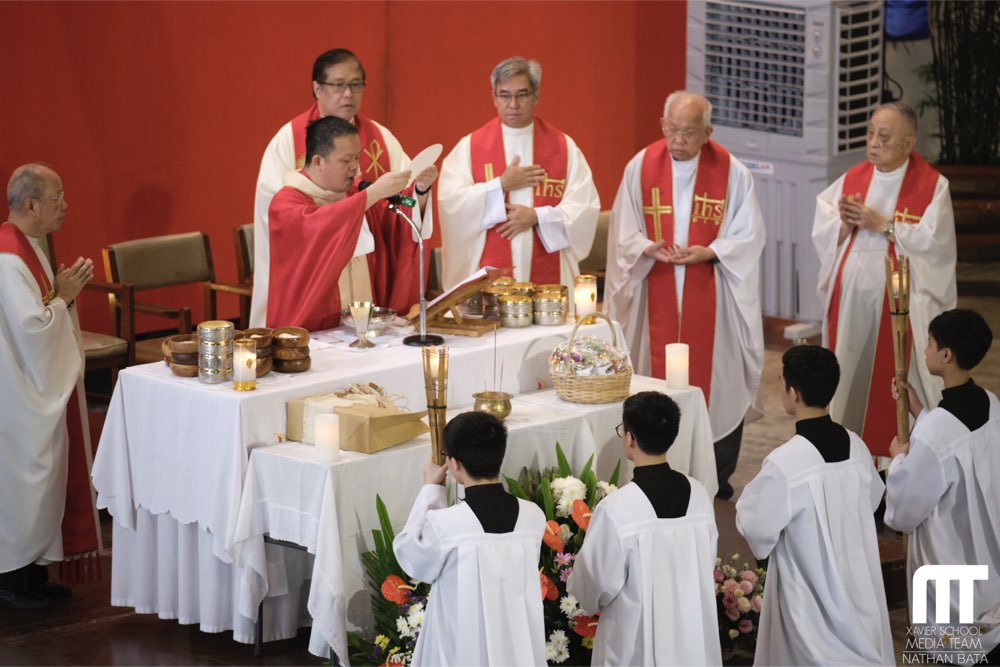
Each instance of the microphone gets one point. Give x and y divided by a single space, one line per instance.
398 200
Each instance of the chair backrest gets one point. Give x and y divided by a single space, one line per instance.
160 261
243 240
597 260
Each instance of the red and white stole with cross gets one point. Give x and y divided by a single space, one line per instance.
374 160
489 161
694 322
915 194
82 562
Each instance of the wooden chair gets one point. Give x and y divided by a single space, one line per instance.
101 350
243 242
164 261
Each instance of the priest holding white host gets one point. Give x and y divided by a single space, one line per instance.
338 83
684 246
892 204
517 191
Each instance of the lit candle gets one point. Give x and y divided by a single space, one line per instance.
585 296
327 430
677 365
244 364
434 363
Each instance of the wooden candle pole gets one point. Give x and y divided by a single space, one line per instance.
897 287
436 389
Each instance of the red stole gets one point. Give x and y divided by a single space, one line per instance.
694 322
82 562
915 194
374 159
310 246
489 161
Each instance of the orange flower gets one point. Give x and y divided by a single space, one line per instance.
549 590
551 537
395 590
585 626
581 513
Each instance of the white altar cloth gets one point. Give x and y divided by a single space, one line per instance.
174 453
330 508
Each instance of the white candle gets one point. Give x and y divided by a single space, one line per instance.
244 364
327 431
677 365
585 295
895 284
435 363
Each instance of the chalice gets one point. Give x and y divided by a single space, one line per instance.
361 313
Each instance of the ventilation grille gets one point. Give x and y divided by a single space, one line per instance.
860 71
755 66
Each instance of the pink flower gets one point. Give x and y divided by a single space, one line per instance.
749 575
745 626
733 614
564 574
728 601
564 559
756 602
746 586
729 586
719 578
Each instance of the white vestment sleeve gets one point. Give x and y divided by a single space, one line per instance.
914 486
495 209
741 242
418 547
570 226
600 568
463 208
825 233
764 509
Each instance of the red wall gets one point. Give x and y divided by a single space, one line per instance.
156 114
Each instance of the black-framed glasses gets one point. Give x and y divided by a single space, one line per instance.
521 96
341 86
619 432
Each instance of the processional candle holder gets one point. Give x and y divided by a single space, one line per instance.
435 359
897 289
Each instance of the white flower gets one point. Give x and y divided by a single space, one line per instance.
569 606
559 640
550 653
415 617
604 490
564 532
403 628
561 655
564 491
734 633
743 604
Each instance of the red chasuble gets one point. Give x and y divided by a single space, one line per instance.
82 562
310 246
915 195
694 322
374 160
489 162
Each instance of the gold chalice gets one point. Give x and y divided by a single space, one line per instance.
361 313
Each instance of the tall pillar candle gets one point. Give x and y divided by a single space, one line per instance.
677 365
585 296
327 431
244 364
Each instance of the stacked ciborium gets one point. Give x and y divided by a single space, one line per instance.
215 351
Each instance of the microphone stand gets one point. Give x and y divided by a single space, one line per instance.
423 339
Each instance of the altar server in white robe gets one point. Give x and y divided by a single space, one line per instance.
480 556
684 246
647 562
810 511
41 364
943 487
517 191
338 83
893 204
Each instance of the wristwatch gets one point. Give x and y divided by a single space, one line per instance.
890 227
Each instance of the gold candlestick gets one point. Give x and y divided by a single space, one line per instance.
436 387
897 288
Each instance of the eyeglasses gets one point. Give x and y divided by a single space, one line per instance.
686 135
618 431
59 197
340 86
521 96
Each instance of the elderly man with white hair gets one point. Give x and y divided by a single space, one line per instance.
517 191
683 250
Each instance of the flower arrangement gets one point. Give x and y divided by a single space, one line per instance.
398 603
567 501
739 594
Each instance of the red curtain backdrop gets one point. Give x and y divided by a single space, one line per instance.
156 114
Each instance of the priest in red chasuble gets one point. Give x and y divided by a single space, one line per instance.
338 84
683 252
517 191
318 220
893 203
47 512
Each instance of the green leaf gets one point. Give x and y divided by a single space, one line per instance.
586 468
564 469
547 503
515 489
590 479
613 480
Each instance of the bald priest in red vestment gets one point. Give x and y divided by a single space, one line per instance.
316 222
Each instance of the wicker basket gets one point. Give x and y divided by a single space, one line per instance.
592 388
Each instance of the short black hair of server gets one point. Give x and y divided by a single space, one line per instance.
322 133
478 441
965 333
812 371
653 419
